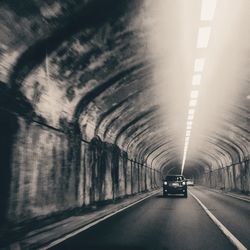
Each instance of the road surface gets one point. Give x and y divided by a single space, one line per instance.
169 223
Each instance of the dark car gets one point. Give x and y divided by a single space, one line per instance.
175 184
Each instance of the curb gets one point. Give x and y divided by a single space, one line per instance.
233 195
44 242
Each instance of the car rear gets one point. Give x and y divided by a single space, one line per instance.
174 184
190 182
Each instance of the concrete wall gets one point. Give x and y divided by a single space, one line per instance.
235 177
48 171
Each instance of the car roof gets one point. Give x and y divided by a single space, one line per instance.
179 175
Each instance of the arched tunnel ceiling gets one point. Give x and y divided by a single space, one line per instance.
121 70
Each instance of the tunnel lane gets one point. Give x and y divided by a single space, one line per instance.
168 223
233 213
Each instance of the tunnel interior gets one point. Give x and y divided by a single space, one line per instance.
85 118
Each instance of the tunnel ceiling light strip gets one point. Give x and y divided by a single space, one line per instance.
203 37
194 94
196 80
192 103
207 12
208 9
191 111
199 65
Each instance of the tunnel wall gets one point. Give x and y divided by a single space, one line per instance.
54 170
235 177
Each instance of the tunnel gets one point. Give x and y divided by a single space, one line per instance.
101 100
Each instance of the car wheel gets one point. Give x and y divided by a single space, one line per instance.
165 194
185 195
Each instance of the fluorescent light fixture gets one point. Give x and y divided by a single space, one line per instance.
191 111
189 127
189 123
194 94
188 133
192 103
190 117
203 37
207 9
199 64
196 80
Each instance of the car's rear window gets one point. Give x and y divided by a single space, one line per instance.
174 178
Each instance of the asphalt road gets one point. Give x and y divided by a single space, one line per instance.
169 223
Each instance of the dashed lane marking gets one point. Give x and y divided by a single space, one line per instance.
227 233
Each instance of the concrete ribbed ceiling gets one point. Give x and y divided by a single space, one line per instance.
100 64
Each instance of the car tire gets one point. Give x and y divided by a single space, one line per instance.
185 195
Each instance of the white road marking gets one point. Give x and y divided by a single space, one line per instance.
238 197
228 234
58 241
228 194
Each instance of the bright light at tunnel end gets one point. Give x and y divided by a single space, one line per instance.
207 12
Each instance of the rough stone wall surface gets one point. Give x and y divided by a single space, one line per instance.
43 173
231 178
54 171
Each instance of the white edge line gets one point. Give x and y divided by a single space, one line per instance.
228 194
228 234
236 197
56 242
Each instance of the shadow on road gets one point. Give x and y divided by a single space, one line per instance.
174 196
